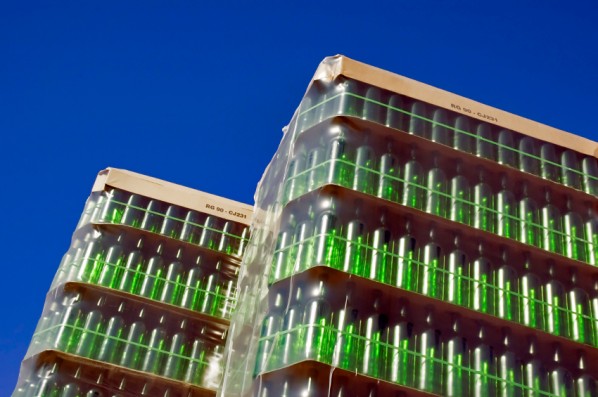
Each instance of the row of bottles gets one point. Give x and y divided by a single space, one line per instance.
371 343
452 129
126 333
475 203
183 280
467 279
120 207
56 377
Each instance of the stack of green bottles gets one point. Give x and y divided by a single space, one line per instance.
123 208
129 334
178 276
431 268
58 377
446 127
488 203
375 343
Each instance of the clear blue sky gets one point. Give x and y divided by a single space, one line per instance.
198 95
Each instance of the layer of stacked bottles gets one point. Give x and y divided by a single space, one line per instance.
140 304
401 248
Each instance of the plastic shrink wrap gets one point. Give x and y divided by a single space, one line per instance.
407 241
141 302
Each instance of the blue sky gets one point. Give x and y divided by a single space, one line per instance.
198 94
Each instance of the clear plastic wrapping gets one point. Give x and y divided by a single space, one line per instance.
400 248
140 304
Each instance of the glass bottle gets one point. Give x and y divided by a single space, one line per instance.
381 252
485 143
413 190
460 200
431 280
441 133
374 108
355 245
419 124
407 261
529 156
389 184
436 186
552 230
456 265
464 138
507 223
571 170
363 176
506 149
483 212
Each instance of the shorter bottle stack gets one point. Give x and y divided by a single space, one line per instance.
141 302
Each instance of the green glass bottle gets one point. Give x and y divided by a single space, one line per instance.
436 191
191 230
291 333
92 261
555 321
464 139
552 231
355 245
480 284
399 355
194 371
571 170
344 321
430 274
506 149
506 293
427 365
303 246
507 223
414 188
529 226
507 370
91 333
344 98
379 265
151 283
549 163
591 237
531 294
363 176
455 379
419 124
113 206
172 224
374 108
560 382
406 269
154 352
372 357
316 318
316 164
389 184
460 200
153 216
131 272
339 164
171 292
578 310
440 132
134 211
307 111
483 199
280 263
267 354
589 168
529 155
212 295
295 178
112 264
586 386
482 366
396 115
534 378
193 289
135 340
455 277
326 242
70 390
574 244
485 142
176 357
209 231
110 347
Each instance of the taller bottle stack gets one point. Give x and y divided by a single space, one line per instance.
141 302
408 241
